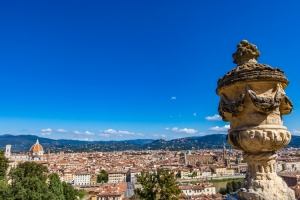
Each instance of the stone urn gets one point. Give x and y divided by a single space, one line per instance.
253 100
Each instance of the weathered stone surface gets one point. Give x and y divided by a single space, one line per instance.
249 70
253 100
245 52
259 140
253 71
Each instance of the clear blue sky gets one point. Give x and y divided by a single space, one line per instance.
116 70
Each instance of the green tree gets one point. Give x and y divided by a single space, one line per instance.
240 184
229 188
168 187
80 193
99 178
28 182
5 191
69 192
3 165
29 169
160 184
31 188
102 177
135 197
235 186
149 184
222 191
55 187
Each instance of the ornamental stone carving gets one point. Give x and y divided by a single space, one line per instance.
253 100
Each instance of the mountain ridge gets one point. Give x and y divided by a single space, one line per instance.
22 143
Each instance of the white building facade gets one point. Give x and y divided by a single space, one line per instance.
133 176
197 190
82 179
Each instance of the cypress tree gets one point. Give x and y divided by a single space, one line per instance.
235 186
240 183
229 188
222 191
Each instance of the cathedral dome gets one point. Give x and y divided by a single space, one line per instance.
36 147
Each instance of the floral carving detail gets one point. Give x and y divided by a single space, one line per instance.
265 104
232 107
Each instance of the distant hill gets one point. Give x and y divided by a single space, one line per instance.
22 143
204 142
295 142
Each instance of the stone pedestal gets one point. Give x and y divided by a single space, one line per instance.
253 100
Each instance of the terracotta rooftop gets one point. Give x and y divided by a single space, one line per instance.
36 147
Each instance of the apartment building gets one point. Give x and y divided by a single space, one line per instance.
116 177
68 177
133 174
191 190
82 179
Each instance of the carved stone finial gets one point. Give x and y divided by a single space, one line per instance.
248 69
253 100
245 52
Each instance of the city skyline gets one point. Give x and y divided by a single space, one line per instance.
119 70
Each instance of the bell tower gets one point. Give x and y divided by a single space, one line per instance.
7 151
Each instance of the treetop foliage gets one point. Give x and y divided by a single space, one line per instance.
160 184
102 177
29 182
231 186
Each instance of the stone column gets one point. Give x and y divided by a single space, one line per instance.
253 100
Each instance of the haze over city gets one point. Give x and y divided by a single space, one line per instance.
118 70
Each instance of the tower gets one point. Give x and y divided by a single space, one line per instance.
7 151
48 155
61 155
224 151
227 163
